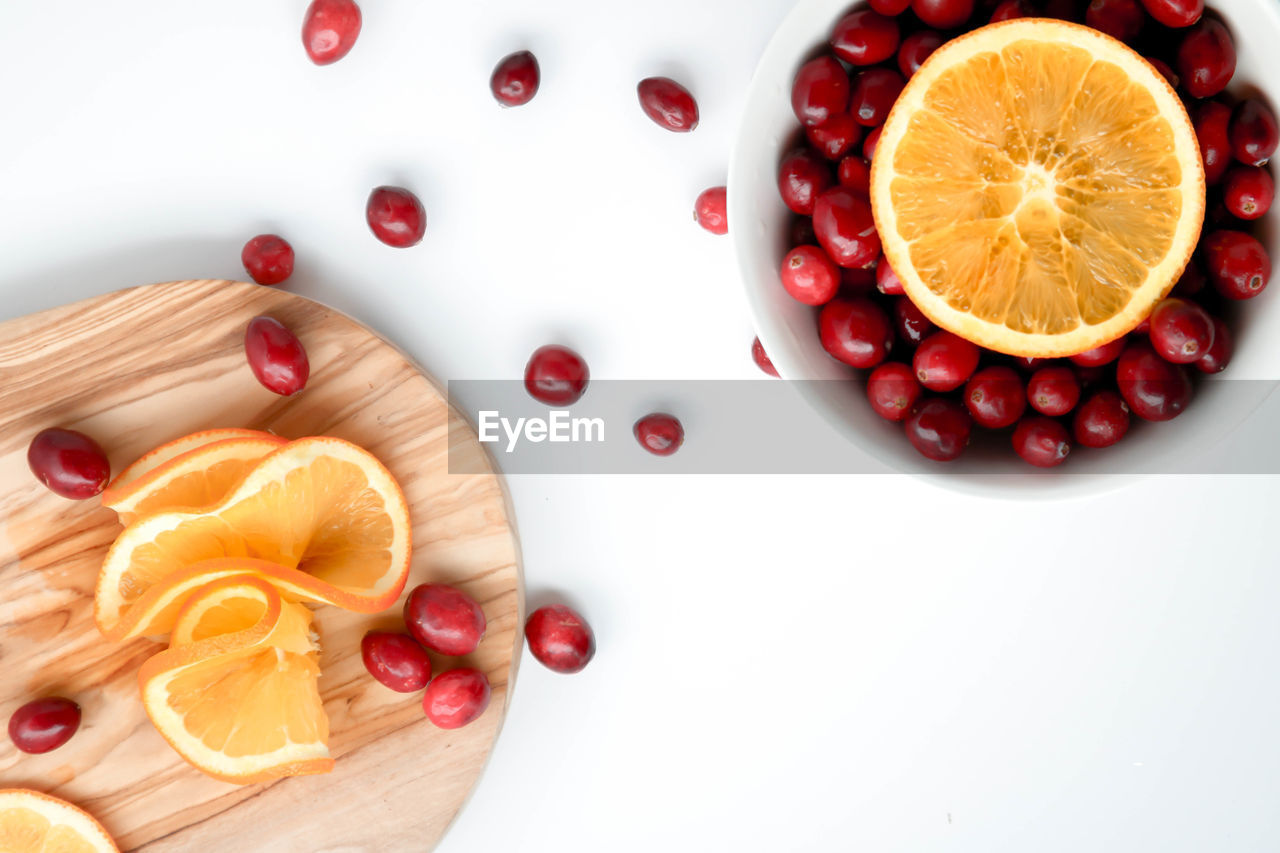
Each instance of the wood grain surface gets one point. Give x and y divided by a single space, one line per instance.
140 367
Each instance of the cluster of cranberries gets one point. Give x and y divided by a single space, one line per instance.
939 385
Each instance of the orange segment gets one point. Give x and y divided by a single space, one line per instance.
153 459
31 822
235 694
1037 187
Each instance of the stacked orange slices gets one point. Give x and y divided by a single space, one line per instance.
227 533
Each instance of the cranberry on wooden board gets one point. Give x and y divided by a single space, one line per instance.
276 356
1041 441
556 375
71 464
1238 264
855 331
820 90
1248 191
1181 331
874 93
1053 390
1212 125
668 104
710 210
396 216
835 137
515 80
1175 13
761 358
892 390
1101 355
457 697
802 177
268 259
1218 355
1155 389
944 362
1253 132
1101 420
809 276
330 29
915 49
1120 19
396 661
942 14
995 397
865 37
939 429
1206 58
444 619
659 433
560 639
855 173
846 228
910 322
44 725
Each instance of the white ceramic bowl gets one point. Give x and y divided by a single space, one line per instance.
758 223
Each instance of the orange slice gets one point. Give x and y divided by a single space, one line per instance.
31 822
320 505
153 459
235 693
193 479
1037 187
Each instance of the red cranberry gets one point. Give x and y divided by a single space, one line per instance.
1010 10
456 697
1165 70
1031 364
874 94
668 104
761 358
801 231
944 362
820 90
942 14
1253 132
1155 389
1181 331
892 390
276 356
1099 356
809 276
1191 282
1239 266
330 29
710 210
939 428
1120 19
1218 355
555 375
1175 13
396 217
396 661
846 228
515 79
1206 58
915 49
865 37
1212 122
659 433
802 177
1101 420
887 281
855 173
1041 441
912 325
890 7
1053 391
855 331
70 463
1248 191
857 281
836 136
560 638
44 725
268 259
995 397
444 619
869 144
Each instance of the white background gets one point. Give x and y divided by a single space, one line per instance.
836 663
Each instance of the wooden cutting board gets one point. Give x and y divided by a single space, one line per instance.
142 366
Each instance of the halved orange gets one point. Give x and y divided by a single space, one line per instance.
235 693
32 822
320 505
1037 187
156 457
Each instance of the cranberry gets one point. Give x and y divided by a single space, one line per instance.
874 94
855 173
669 104
835 136
1212 122
1053 391
710 210
1091 376
268 259
515 79
555 375
887 281
659 433
820 90
761 358
857 282
869 144
1041 441
1031 364
1181 331
1010 10
276 356
70 463
939 428
846 228
1155 389
802 177
444 619
915 49
1175 13
890 7
1238 264
1191 282
330 29
995 397
943 361
1143 327
1248 191
396 217
1099 356
1101 420
1165 70
809 276
44 724
865 37
1218 355
892 390
396 661
1206 58
456 697
1063 10
912 325
942 14
855 331
801 231
1120 19
1253 132
560 639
